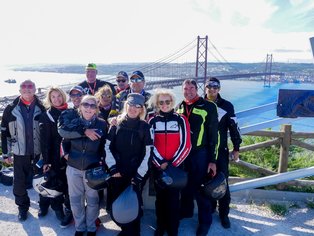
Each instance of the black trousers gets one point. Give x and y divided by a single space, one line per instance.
196 165
167 210
23 171
223 166
115 188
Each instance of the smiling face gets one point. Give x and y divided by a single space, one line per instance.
88 108
27 90
56 98
91 75
164 103
133 111
189 91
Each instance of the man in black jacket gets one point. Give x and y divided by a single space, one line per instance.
20 135
203 118
227 122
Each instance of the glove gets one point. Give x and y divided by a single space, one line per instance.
137 183
113 170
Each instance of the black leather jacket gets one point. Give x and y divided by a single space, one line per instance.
83 152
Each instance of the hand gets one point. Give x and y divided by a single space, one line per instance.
92 134
163 166
46 167
137 182
117 175
8 160
66 157
212 166
236 155
113 121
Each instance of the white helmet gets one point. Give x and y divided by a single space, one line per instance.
45 188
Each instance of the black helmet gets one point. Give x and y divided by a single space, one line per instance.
47 185
97 178
215 187
172 177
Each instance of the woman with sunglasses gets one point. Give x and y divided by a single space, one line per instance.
129 148
105 99
83 153
171 146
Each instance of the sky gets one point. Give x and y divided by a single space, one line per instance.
124 31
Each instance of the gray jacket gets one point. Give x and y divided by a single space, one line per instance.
13 129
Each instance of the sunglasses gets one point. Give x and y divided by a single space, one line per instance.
167 102
76 95
27 86
213 86
105 96
136 80
121 80
89 105
135 105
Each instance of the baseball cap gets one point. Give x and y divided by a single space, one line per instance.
122 74
138 74
77 88
91 66
135 99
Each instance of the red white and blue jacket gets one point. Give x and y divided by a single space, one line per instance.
172 139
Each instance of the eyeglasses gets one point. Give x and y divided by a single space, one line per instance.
136 80
105 96
121 80
167 102
135 105
27 86
89 105
76 95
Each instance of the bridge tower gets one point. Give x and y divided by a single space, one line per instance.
268 67
201 62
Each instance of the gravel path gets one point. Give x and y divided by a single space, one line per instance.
246 219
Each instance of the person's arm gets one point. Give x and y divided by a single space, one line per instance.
110 160
185 145
213 134
5 133
45 138
69 125
235 134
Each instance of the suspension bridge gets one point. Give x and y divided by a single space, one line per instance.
173 69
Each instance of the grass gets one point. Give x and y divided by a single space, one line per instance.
278 209
268 158
310 203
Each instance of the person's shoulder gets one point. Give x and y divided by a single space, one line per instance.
83 84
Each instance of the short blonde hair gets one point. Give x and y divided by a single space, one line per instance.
153 101
48 102
89 98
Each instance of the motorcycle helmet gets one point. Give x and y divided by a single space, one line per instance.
215 187
46 186
97 178
126 207
172 177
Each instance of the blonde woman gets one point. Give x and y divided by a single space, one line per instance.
84 153
50 140
128 154
171 146
105 98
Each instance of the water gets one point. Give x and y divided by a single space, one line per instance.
243 94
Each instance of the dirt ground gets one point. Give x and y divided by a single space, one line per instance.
246 219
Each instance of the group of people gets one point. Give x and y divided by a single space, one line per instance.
109 126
